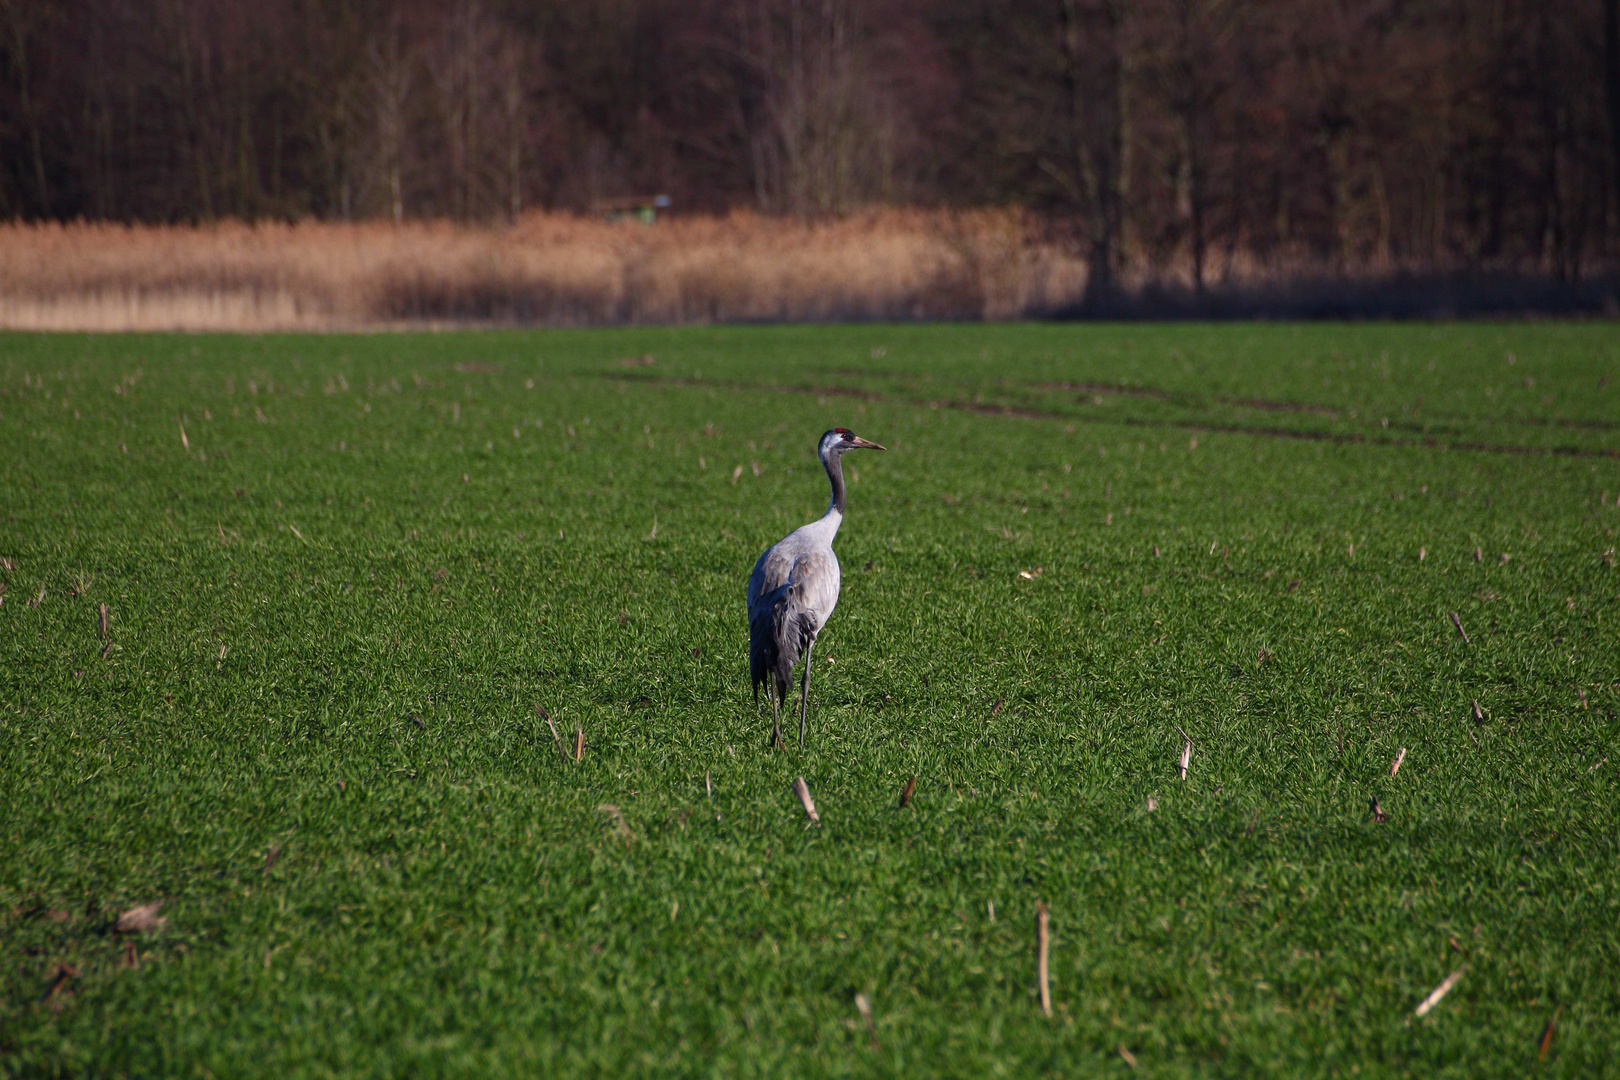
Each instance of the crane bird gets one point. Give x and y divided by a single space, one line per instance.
794 587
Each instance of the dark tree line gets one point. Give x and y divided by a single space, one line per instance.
1360 132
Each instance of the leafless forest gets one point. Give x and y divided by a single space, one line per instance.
1177 149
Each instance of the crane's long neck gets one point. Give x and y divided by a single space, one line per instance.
835 473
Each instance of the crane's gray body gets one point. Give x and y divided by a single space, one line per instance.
794 588
792 591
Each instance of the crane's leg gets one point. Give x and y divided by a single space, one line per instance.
776 719
804 689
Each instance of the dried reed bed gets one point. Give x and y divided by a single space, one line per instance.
546 269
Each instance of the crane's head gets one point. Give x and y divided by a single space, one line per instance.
840 440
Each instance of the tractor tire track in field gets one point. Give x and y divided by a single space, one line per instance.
1213 426
1334 413
1190 401
1178 399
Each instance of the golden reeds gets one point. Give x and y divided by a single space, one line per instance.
546 268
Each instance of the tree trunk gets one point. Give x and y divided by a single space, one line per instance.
513 99
1552 118
390 86
1110 153
1190 109
1095 131
1611 80
20 31
1195 197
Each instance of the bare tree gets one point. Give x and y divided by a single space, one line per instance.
825 135
1611 86
25 23
514 116
388 82
1200 33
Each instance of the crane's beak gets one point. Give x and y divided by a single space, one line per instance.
858 443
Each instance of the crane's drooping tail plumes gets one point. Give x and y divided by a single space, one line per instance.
776 639
794 588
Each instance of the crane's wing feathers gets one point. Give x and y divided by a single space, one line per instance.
790 596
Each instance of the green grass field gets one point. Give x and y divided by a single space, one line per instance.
342 571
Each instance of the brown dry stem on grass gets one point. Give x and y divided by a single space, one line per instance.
1043 942
551 269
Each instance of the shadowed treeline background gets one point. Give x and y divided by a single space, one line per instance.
1180 145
